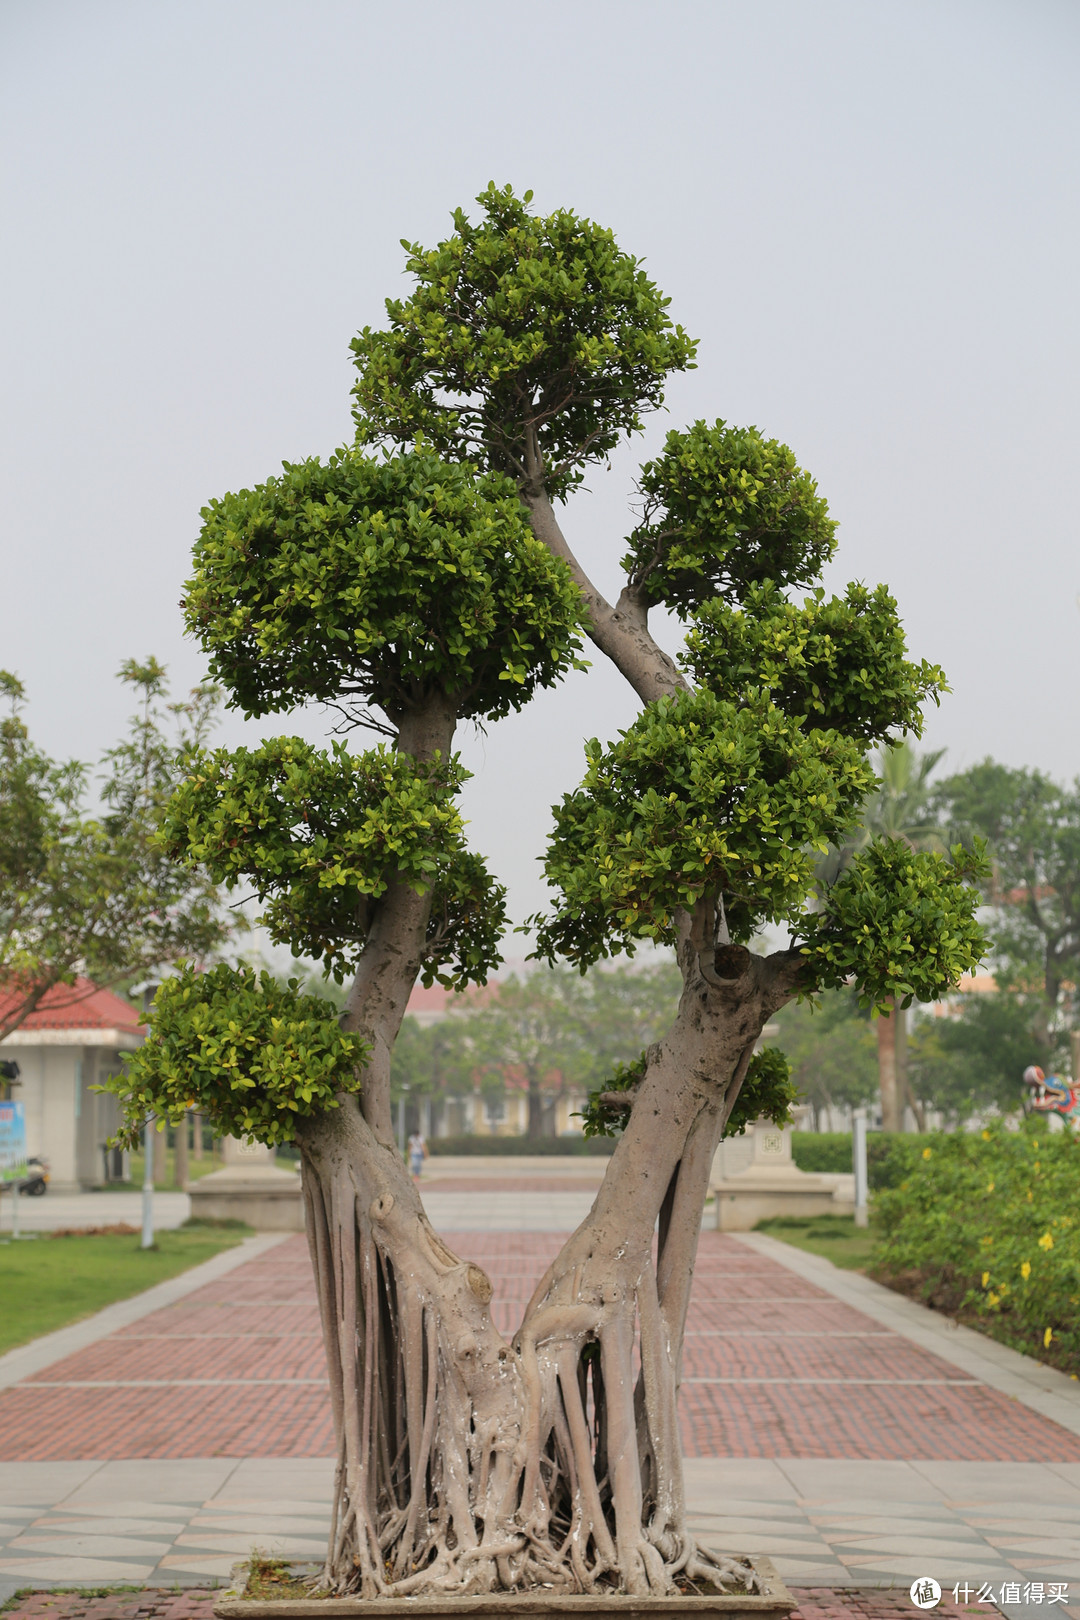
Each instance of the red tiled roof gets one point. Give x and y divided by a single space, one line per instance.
76 1006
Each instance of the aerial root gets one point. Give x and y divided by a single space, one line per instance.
716 1570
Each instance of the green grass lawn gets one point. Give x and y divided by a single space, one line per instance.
834 1236
47 1282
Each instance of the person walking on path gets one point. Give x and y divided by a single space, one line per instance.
418 1152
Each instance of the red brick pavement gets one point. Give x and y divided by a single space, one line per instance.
775 1367
819 1603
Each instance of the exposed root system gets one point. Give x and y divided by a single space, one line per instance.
469 1464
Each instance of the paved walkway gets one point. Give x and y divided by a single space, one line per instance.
841 1429
83 1210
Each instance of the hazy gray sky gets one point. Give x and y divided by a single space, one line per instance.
865 209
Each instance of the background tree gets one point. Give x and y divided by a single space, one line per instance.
564 1030
971 1064
832 1050
432 1061
98 894
1032 828
434 583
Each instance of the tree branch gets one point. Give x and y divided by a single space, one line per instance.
621 632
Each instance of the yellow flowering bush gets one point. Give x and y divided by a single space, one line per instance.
986 1225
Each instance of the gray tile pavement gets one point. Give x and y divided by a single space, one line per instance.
840 1523
55 1210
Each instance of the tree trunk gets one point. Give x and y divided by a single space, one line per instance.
904 1094
467 1463
890 1099
535 1125
196 1138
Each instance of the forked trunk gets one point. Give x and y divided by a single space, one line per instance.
468 1463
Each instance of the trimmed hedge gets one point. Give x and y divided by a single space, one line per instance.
888 1158
518 1146
821 1150
986 1226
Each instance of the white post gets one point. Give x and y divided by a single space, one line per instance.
15 1208
858 1143
148 1186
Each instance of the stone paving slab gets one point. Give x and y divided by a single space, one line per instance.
821 1433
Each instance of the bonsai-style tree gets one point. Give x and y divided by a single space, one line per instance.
422 578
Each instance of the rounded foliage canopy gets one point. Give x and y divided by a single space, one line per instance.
251 1054
700 793
383 579
837 664
725 509
898 923
521 324
322 835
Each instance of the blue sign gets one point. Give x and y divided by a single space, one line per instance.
12 1141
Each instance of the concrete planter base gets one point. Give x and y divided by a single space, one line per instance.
774 1599
266 1198
749 1198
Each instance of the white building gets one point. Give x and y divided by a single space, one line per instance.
70 1043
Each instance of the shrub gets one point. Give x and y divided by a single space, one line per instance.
888 1158
821 1150
987 1226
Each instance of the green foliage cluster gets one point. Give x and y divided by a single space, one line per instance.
519 325
251 1054
699 793
890 1158
382 579
988 1224
1031 825
838 663
768 1092
898 923
321 835
725 509
828 1152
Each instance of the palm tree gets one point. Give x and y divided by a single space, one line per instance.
901 807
